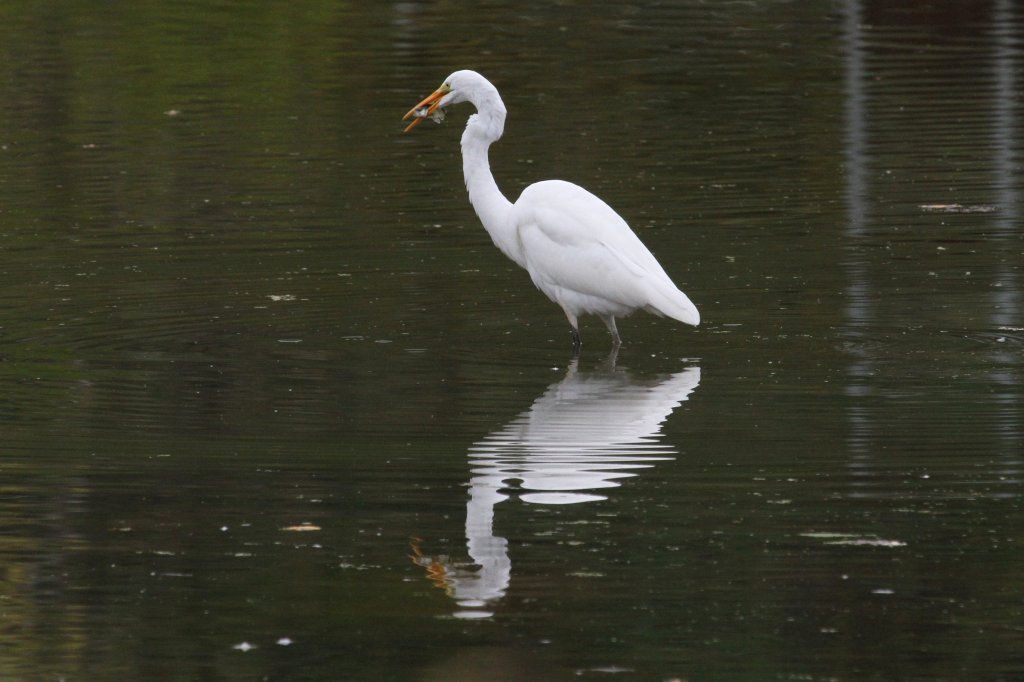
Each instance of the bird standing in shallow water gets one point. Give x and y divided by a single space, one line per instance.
578 251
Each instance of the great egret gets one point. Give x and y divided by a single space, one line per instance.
578 251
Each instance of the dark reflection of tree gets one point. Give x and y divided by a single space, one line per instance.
43 630
932 303
1007 300
932 212
584 434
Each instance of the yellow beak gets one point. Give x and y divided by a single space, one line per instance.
432 102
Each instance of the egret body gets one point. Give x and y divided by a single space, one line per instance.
578 250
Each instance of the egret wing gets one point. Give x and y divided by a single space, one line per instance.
574 241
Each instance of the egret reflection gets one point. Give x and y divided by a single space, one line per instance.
583 436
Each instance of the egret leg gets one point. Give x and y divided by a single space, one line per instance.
609 321
574 329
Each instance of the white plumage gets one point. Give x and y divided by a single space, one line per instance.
578 251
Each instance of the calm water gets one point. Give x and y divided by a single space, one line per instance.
273 406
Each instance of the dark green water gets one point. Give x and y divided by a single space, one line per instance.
272 406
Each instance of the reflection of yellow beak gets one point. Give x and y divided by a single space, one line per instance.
433 100
437 572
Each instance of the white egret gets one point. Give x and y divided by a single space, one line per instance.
578 251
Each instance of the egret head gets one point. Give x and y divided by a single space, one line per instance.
461 86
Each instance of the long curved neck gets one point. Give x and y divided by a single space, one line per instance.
490 204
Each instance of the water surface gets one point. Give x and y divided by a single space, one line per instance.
273 406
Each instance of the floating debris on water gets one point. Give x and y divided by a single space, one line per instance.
853 539
957 208
868 542
301 528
